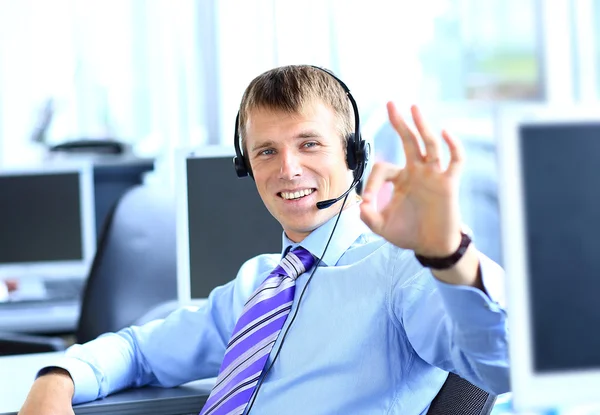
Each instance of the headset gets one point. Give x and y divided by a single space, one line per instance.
357 149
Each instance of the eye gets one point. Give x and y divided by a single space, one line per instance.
310 144
266 152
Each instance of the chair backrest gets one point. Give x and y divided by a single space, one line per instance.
459 396
135 267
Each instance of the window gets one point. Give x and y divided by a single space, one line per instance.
484 51
127 70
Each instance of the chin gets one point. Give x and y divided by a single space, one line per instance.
302 227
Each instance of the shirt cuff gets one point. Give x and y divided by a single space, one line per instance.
84 378
471 306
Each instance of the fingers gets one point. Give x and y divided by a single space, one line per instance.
409 139
456 153
380 174
371 217
432 151
431 142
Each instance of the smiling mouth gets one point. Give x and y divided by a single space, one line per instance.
296 195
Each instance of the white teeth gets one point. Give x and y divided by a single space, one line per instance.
296 195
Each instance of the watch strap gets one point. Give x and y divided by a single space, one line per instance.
441 263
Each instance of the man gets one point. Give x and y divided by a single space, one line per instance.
375 332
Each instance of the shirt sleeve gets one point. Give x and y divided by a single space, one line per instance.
188 345
459 329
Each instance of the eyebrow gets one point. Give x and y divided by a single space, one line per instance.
308 134
262 145
301 135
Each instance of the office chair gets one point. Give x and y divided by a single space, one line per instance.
133 271
135 267
459 396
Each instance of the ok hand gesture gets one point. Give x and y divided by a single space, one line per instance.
423 214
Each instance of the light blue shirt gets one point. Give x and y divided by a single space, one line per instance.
375 333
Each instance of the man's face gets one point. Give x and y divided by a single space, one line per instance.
297 160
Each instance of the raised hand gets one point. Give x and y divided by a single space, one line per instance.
423 214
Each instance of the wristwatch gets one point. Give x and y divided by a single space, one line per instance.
449 261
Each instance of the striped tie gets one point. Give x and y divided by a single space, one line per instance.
254 335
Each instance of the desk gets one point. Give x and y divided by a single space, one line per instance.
18 372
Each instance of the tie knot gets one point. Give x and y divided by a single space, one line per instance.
296 262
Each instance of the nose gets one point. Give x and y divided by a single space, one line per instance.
290 165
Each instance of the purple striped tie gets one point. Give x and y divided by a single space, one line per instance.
254 335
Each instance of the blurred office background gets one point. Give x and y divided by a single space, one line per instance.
161 74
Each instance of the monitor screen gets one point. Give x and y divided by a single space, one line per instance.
227 223
40 215
45 220
550 221
562 213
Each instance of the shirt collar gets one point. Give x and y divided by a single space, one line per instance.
348 229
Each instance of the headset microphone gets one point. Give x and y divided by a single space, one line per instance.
362 157
330 202
324 204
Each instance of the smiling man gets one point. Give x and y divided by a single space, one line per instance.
370 306
295 160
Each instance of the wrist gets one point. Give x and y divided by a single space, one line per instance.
447 257
466 271
57 381
443 247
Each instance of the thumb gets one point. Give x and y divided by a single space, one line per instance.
370 215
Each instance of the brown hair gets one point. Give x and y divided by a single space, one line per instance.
289 88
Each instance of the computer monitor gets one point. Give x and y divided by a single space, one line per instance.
222 221
550 221
46 222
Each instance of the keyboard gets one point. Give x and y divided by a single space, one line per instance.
64 289
33 293
50 306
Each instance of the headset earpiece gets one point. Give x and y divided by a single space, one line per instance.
351 159
362 152
357 155
240 167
